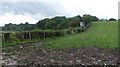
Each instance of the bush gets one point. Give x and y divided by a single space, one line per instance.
49 33
112 19
78 30
87 19
68 31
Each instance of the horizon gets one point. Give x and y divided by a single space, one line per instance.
57 16
16 11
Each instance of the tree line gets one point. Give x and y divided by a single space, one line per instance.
56 23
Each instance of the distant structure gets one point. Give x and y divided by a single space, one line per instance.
82 25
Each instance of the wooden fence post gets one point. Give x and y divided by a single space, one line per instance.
3 38
30 36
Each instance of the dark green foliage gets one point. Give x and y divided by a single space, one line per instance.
42 23
56 23
59 33
74 22
112 19
87 18
68 31
79 30
79 17
49 33
94 18
20 27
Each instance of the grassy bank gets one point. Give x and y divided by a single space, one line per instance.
100 34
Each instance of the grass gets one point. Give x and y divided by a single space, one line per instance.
101 34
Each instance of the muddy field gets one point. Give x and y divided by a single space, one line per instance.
34 54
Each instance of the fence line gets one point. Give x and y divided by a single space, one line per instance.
6 37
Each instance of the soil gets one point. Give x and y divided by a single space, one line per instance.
34 54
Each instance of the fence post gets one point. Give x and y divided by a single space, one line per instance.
3 38
30 36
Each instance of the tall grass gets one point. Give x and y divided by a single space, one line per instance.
100 34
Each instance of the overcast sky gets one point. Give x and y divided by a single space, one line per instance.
21 11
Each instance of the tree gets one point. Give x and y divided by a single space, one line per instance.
58 22
79 17
49 25
64 24
94 18
86 19
74 22
112 19
41 24
9 27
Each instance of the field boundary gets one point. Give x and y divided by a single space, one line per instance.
12 38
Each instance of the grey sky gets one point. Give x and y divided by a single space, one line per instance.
21 11
46 8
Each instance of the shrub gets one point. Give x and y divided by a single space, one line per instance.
68 31
78 30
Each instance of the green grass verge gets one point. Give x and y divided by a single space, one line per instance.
100 34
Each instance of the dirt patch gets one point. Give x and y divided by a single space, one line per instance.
34 54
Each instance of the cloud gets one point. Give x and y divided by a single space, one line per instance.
40 9
16 19
99 8
34 10
46 8
29 0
